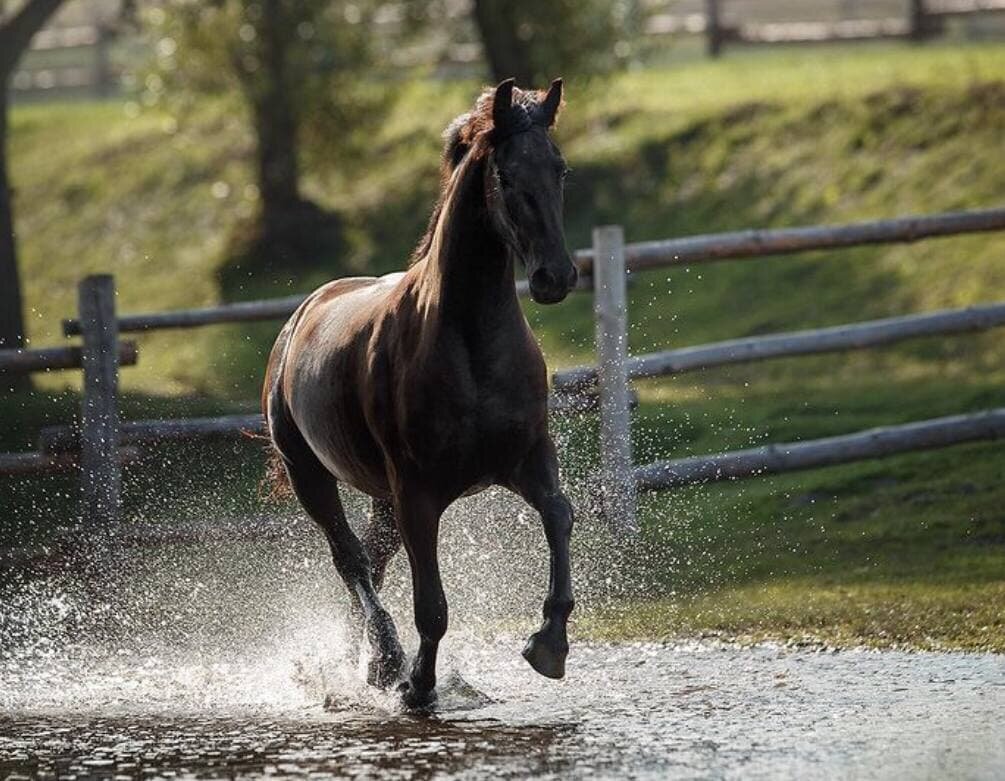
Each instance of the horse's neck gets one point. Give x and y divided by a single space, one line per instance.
470 267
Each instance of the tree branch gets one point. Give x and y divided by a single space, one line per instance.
16 33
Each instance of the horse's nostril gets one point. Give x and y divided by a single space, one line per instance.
543 279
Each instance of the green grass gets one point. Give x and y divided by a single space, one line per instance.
905 550
916 615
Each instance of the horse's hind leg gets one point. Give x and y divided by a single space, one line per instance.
381 539
537 481
318 493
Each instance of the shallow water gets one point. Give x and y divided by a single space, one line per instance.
688 711
212 657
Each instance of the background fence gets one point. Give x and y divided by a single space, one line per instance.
87 50
725 23
610 261
99 443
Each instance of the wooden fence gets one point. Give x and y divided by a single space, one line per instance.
68 59
104 442
611 260
922 19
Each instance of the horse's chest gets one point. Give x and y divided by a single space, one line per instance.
481 426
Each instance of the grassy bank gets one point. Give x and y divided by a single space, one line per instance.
906 550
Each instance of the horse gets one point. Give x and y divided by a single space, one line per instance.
423 386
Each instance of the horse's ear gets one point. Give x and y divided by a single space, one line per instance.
501 103
551 103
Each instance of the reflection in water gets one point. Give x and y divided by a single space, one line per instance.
344 745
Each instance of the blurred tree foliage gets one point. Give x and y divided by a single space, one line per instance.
305 71
313 78
537 41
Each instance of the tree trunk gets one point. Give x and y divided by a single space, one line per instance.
276 122
507 54
11 315
16 33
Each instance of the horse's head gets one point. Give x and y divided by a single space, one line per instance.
524 181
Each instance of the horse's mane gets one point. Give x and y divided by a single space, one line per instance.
467 138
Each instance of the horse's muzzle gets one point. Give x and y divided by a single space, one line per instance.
548 286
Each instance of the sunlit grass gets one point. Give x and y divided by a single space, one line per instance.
919 615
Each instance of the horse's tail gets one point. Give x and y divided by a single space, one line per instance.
275 484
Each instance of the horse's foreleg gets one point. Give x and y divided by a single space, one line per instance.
419 522
537 481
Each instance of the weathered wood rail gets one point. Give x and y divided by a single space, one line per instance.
26 464
829 451
29 361
854 336
101 443
752 244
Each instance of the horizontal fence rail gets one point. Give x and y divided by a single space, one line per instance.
240 312
54 358
872 333
23 464
63 438
846 30
795 456
737 245
59 439
962 7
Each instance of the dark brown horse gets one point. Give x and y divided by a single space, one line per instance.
421 387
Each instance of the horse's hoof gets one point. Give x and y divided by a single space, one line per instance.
414 699
545 659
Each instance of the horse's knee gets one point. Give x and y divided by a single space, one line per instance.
557 516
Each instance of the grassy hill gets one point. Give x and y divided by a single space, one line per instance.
759 139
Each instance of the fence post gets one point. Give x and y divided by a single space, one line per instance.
917 23
102 66
610 310
713 28
100 472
